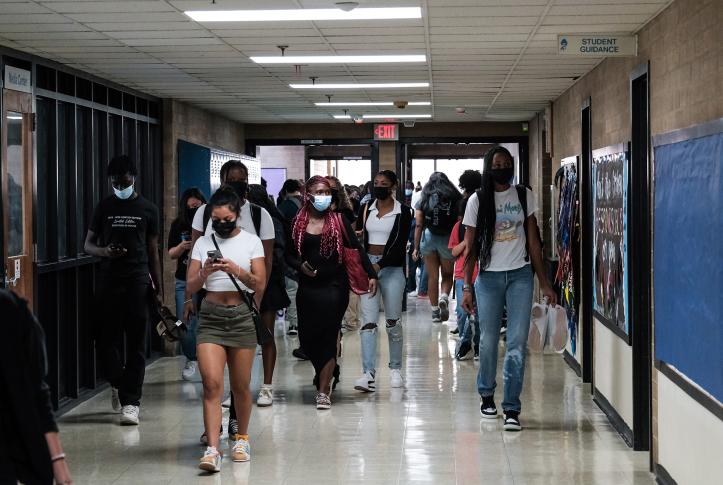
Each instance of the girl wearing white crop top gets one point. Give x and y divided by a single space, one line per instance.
226 331
385 224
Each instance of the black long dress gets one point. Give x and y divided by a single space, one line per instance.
322 300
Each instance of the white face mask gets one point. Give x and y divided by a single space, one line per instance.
321 202
125 193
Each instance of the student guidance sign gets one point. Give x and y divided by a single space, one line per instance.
597 45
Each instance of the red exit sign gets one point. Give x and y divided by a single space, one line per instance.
386 132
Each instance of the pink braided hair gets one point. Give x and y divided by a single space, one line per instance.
331 234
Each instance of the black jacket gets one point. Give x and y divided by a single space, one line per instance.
395 250
26 413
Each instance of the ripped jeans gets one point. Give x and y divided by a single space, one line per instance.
494 289
391 289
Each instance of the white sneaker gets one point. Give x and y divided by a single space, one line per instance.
211 460
366 383
241 450
323 401
444 307
115 400
266 396
189 370
227 402
412 294
129 414
395 378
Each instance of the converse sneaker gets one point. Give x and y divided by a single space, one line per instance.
241 450
115 400
488 408
476 355
366 383
395 378
266 396
444 307
232 427
292 330
211 460
129 414
512 421
463 350
189 370
436 315
323 401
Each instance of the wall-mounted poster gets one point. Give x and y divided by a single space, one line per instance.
610 237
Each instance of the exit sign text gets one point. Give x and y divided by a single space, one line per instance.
387 132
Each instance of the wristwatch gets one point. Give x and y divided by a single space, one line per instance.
466 287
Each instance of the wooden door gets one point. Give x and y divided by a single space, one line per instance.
16 173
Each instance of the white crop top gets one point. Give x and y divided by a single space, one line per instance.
378 230
240 249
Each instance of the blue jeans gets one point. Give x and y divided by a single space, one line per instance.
188 344
494 289
391 288
423 283
465 331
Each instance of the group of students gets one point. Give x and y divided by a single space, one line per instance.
240 248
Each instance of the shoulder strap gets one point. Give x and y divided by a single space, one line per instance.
256 217
244 295
344 234
522 195
206 218
366 214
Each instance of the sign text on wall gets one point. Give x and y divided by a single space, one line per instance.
597 45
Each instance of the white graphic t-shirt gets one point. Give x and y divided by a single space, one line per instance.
508 251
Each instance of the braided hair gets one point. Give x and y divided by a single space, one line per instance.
331 234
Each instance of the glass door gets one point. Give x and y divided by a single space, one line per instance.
16 175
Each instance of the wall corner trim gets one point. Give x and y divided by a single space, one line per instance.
615 419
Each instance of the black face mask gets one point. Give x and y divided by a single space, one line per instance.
381 193
502 175
190 213
240 188
223 228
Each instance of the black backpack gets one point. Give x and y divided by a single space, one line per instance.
255 217
440 214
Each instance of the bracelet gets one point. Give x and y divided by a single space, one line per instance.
188 301
58 457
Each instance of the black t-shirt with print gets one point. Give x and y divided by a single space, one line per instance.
129 223
174 239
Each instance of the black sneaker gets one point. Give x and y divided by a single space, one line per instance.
464 349
232 427
454 331
512 421
488 408
300 354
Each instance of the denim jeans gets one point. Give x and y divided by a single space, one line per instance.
466 331
391 289
292 286
188 344
494 289
423 282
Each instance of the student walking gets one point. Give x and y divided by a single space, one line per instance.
124 233
179 249
502 235
385 224
318 235
230 263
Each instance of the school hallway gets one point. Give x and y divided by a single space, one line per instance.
431 432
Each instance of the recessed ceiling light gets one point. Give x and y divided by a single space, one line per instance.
378 117
336 59
358 86
385 103
304 14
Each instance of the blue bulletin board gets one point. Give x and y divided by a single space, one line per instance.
688 254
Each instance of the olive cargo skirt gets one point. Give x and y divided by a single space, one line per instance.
228 326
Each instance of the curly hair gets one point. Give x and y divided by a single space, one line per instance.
343 202
331 234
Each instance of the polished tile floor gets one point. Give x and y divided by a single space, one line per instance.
429 433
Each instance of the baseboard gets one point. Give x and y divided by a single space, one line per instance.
572 362
662 477
615 419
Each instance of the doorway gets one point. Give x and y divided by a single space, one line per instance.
16 173
640 258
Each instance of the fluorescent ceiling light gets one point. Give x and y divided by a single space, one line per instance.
358 86
336 59
385 103
379 117
304 14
